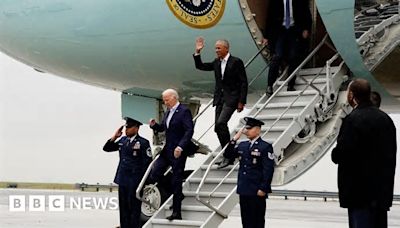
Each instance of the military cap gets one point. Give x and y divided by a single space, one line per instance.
252 122
132 122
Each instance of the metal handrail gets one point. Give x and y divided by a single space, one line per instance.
257 112
142 182
145 176
213 124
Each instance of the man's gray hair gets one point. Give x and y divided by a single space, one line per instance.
224 42
172 92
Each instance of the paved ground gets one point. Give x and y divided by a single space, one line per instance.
280 213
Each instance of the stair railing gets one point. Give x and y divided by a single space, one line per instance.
147 173
208 203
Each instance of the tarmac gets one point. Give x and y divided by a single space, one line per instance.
281 213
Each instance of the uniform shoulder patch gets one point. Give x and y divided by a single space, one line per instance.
271 156
149 153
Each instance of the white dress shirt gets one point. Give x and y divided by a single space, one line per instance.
171 113
291 13
224 61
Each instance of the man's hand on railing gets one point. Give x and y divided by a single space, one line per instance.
152 122
264 42
240 107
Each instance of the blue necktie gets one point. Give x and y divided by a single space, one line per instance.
287 18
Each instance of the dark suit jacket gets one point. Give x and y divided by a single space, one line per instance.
301 15
180 131
233 88
366 158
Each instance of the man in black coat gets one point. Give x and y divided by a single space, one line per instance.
287 30
230 92
134 158
366 157
178 126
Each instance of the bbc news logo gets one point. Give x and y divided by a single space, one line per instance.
37 203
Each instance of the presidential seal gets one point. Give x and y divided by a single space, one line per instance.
197 13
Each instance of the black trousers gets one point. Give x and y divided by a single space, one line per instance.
290 47
252 211
370 217
178 168
223 114
129 207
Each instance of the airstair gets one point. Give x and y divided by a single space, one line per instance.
293 122
377 31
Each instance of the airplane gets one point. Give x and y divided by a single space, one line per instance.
142 47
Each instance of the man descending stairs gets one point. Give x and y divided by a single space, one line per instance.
210 193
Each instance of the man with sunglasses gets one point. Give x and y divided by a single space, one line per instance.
256 169
134 158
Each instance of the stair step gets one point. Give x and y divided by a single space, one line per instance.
275 116
295 99
283 105
211 183
314 71
273 129
296 93
301 82
213 180
161 223
213 167
203 194
192 208
189 212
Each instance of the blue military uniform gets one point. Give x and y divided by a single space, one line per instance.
255 173
135 156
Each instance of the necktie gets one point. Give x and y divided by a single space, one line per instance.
287 18
169 117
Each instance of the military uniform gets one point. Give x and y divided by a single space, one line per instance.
255 173
135 156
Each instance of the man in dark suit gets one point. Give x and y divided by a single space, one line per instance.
230 92
134 158
366 157
178 126
255 173
287 30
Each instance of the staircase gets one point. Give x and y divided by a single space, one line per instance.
292 123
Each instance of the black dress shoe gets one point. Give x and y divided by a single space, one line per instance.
269 91
225 162
174 215
291 88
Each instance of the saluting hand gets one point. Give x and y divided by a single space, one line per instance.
199 44
237 135
261 193
118 133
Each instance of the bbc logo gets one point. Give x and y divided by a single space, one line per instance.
18 203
